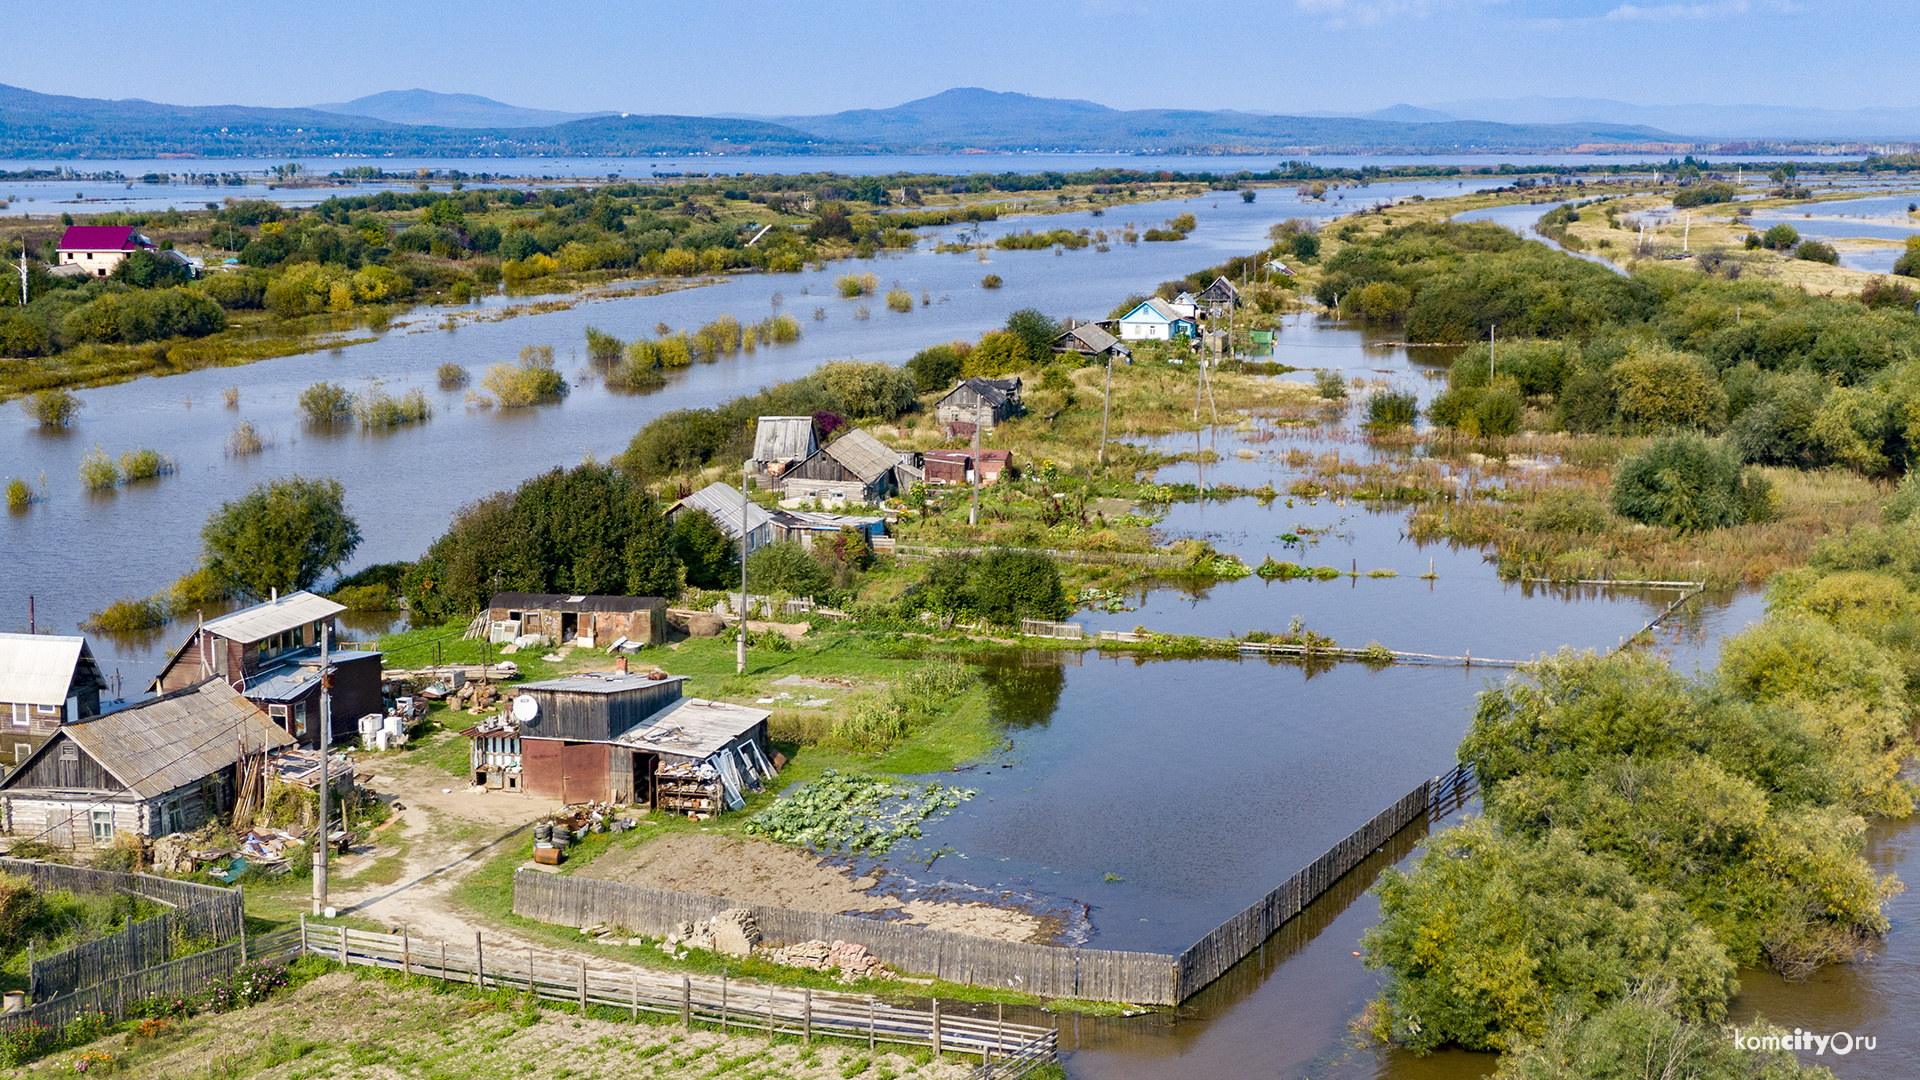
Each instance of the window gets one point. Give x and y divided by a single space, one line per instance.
103 826
19 715
47 710
22 751
300 720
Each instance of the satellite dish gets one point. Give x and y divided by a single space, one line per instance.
525 708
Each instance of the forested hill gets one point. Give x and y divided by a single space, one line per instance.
971 118
34 125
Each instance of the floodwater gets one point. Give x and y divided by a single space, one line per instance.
130 192
75 552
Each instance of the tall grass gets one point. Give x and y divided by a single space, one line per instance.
231 395
851 286
51 408
899 300
20 494
375 408
246 439
97 470
326 403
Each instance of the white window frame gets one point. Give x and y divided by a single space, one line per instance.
22 715
99 818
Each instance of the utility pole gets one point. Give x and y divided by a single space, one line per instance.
23 271
1106 409
973 514
740 657
1491 327
326 738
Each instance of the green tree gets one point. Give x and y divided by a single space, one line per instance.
282 535
1780 237
1009 586
1689 483
711 557
1035 333
786 567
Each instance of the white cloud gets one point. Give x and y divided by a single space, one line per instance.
1718 10
1376 12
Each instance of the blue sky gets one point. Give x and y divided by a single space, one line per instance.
796 58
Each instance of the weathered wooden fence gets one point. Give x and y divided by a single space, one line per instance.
738 1008
198 911
1046 970
183 977
134 947
1071 631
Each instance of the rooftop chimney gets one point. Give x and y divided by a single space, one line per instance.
620 664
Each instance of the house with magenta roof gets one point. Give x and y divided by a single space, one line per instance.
94 250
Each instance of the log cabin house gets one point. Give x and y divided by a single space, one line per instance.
45 681
270 652
985 401
624 738
593 622
856 467
162 766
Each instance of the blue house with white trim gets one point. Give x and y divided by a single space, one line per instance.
1155 320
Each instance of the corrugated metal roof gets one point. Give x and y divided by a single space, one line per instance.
274 616
172 741
1157 307
100 238
572 602
36 669
723 502
783 438
692 727
600 682
862 455
1092 337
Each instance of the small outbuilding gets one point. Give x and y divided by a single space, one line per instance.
856 467
624 738
724 502
1092 342
805 526
164 766
780 443
45 681
982 401
593 622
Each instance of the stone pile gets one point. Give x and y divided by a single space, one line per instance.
852 961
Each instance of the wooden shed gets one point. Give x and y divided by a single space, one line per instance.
606 737
856 467
160 767
781 442
987 401
594 622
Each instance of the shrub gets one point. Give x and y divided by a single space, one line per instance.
602 347
1689 483
326 403
52 408
97 470
130 318
1566 510
245 439
126 616
145 463
452 376
1392 408
1659 390
375 408
1908 265
1495 415
19 494
899 300
991 281
851 286
786 567
1781 237
528 382
1817 251
937 366
21 336
1704 195
1330 384
1880 292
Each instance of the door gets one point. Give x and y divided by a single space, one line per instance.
569 627
643 765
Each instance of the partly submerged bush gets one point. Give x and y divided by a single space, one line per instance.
51 408
1690 483
326 403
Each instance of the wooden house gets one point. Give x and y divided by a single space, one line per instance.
724 503
1156 320
163 766
271 653
594 622
1220 294
948 467
856 467
780 443
1091 342
624 738
985 401
45 681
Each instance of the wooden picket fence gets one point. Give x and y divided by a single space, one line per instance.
1047 628
1045 970
732 1006
1042 970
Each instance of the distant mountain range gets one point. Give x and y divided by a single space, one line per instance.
431 109
427 123
1722 122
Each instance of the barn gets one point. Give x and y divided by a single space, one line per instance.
856 467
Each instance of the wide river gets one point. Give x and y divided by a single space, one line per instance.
1163 796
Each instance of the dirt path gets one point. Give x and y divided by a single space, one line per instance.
762 872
